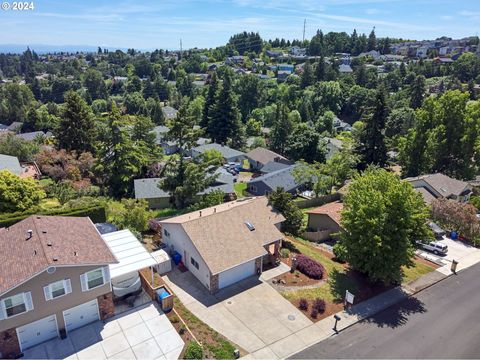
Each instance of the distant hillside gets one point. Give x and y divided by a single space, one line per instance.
44 48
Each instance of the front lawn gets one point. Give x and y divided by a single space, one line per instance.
240 189
339 278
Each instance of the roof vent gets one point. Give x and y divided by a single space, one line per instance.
249 225
44 231
200 212
49 244
30 234
34 252
55 259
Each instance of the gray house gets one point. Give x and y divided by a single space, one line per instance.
11 164
169 112
265 184
159 199
169 147
228 154
259 157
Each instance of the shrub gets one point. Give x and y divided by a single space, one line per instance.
194 351
314 313
319 304
310 267
284 253
340 252
303 304
154 225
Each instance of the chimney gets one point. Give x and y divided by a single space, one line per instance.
30 234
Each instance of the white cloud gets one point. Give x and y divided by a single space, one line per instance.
372 11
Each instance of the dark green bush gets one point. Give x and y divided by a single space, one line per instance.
194 351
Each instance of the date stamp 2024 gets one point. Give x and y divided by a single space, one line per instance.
18 5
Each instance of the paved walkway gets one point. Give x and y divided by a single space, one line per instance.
142 333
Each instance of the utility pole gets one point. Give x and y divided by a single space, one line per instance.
304 23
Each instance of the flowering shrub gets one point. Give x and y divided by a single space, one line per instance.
154 225
303 304
314 313
310 267
319 304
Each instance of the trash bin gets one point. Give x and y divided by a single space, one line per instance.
165 299
453 235
176 257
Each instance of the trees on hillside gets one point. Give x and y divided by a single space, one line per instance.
382 218
283 203
18 194
76 130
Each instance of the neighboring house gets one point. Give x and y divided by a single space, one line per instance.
31 136
169 147
54 278
374 54
287 68
15 126
341 125
159 199
228 154
325 219
436 186
333 146
273 166
11 164
169 112
227 243
265 184
273 54
259 157
345 69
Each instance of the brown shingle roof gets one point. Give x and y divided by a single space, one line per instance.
264 156
223 239
443 184
333 210
55 241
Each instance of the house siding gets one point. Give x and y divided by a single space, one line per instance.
317 222
180 242
43 308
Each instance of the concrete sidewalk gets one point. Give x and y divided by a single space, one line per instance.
323 329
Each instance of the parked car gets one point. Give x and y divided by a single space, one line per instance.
435 247
437 230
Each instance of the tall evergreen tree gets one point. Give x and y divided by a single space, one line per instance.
76 130
417 92
209 101
371 147
320 70
282 129
307 78
224 122
372 40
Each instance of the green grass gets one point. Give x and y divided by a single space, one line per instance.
339 278
158 213
414 272
49 203
240 189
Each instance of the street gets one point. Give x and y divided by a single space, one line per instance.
442 321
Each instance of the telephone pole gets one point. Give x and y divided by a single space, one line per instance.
304 23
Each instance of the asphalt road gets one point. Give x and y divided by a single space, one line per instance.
442 321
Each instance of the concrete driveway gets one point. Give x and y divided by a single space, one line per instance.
250 313
141 333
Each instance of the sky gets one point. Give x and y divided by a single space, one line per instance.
152 24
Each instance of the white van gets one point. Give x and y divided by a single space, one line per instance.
435 247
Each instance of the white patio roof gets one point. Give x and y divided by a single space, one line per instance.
130 253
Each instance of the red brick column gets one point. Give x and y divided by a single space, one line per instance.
258 265
106 306
9 345
213 283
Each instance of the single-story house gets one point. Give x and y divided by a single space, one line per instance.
265 184
11 164
435 186
31 136
259 157
159 199
272 166
55 278
341 125
345 69
333 146
227 243
169 112
169 147
326 217
228 154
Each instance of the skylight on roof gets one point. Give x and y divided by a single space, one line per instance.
249 225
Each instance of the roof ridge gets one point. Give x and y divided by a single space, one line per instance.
39 238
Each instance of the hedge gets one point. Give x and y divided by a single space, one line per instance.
95 213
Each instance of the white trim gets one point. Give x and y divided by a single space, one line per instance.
56 327
49 292
98 313
44 270
28 300
30 303
261 256
85 277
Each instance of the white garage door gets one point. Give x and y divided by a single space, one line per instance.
81 315
37 332
236 274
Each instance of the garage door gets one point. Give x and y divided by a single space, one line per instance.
81 315
37 332
236 274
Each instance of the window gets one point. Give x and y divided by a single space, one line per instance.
15 305
166 232
57 289
253 188
95 278
194 262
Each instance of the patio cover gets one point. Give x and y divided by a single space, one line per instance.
130 253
